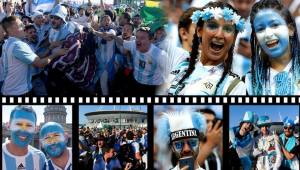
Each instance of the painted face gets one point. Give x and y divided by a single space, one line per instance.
272 32
22 127
52 138
218 37
186 147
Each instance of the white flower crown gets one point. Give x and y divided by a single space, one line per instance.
217 13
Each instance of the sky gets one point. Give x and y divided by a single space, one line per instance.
236 112
92 108
39 109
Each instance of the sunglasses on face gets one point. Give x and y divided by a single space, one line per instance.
179 144
287 128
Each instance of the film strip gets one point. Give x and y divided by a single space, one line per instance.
153 100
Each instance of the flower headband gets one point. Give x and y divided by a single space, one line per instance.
217 13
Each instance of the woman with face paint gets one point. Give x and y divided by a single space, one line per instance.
276 51
17 153
54 143
208 71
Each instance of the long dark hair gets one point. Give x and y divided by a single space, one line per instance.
196 42
260 61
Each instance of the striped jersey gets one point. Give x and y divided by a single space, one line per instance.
33 160
17 58
52 166
149 67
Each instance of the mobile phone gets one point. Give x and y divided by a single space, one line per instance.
187 161
216 120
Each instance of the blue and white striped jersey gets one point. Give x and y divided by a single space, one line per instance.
149 67
33 160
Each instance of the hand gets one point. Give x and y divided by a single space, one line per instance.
60 52
128 166
214 134
185 167
244 48
55 44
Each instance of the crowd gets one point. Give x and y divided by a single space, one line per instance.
85 50
113 148
253 144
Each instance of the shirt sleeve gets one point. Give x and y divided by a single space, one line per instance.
24 53
129 45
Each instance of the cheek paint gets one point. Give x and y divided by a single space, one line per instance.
279 34
54 145
22 132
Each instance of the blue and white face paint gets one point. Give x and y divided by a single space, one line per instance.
22 127
272 32
53 139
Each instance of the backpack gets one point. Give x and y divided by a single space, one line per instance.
79 64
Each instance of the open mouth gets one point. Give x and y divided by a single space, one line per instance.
23 138
217 46
272 43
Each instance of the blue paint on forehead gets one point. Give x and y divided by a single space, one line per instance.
51 127
266 17
19 113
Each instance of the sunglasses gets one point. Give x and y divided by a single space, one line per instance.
179 144
287 128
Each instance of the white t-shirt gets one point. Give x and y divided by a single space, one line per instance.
149 67
17 59
34 159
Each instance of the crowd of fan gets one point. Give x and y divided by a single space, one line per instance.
113 148
88 50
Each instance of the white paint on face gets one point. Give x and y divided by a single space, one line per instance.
272 32
23 125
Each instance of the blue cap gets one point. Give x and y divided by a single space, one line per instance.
288 122
263 121
249 117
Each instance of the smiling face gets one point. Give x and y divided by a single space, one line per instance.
218 36
271 32
22 127
53 139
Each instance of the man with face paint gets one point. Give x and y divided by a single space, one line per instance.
182 131
17 154
54 143
241 141
275 63
288 142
